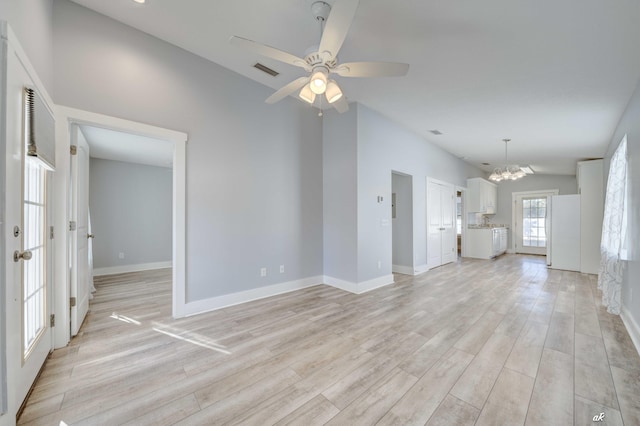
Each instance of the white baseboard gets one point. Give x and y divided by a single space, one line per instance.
224 301
401 269
420 269
122 269
361 287
365 286
632 327
341 284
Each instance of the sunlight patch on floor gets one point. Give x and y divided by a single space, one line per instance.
124 318
193 338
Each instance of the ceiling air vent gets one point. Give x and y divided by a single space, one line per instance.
436 132
266 69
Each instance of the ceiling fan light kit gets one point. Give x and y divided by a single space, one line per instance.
333 92
322 61
319 82
507 172
307 95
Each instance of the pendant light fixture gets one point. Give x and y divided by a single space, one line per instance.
507 172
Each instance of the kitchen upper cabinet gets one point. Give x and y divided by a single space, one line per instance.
482 196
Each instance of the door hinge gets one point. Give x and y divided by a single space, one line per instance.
72 225
51 234
72 302
73 149
52 320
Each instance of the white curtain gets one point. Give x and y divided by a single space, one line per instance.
614 230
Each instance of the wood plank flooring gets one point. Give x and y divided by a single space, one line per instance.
473 342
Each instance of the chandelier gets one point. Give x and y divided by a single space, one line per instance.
507 172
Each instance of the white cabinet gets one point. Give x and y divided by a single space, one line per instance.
486 243
591 189
565 232
482 196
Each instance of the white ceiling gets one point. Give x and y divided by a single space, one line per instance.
119 146
552 75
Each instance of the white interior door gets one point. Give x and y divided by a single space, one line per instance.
79 230
434 224
441 224
449 242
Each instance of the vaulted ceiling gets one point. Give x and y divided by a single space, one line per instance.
552 75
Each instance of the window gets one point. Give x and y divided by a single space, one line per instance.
613 244
534 213
33 272
459 213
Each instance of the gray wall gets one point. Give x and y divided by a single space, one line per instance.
31 20
383 147
402 224
340 195
630 125
358 163
130 213
566 185
254 171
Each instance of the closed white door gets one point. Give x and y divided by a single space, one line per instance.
79 230
441 225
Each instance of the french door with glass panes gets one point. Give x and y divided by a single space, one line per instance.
531 223
35 265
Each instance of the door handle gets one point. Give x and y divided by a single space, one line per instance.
90 236
25 255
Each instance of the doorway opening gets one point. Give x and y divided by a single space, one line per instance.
174 143
402 223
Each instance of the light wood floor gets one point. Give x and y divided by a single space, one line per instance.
477 342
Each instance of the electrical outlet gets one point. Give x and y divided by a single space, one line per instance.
263 272
282 269
121 255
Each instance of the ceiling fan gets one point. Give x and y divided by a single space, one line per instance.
322 62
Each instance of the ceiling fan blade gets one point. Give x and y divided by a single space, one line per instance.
371 69
341 105
268 51
287 90
337 26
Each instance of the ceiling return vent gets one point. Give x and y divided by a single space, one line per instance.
266 69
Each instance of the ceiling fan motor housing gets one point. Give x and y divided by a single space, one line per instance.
320 10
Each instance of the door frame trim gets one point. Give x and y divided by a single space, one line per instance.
514 196
65 116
